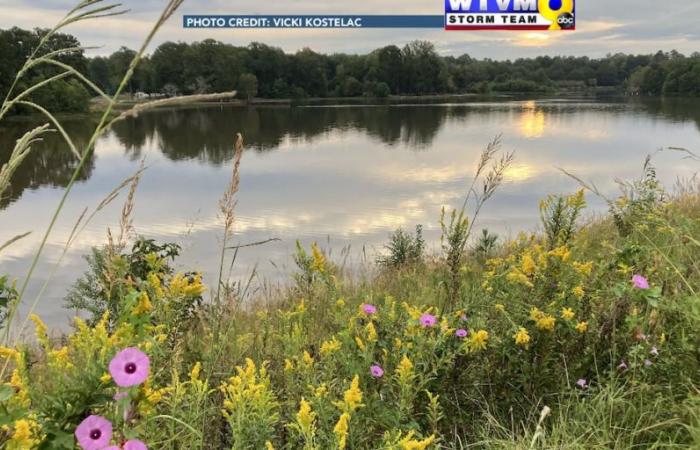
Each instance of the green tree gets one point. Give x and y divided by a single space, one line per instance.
248 86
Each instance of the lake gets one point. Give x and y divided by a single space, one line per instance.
342 176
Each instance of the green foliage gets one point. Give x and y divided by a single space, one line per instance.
248 86
403 248
112 275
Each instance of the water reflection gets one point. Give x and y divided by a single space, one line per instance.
348 174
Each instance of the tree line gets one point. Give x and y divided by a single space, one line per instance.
259 70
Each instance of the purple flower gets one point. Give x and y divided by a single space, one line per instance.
129 367
640 282
376 371
654 351
622 365
427 320
135 444
461 333
648 362
94 433
112 447
582 383
369 309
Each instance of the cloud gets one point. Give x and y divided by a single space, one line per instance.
602 27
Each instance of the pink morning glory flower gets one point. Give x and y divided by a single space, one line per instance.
376 371
428 320
112 447
94 433
582 383
461 333
640 282
369 309
135 444
129 367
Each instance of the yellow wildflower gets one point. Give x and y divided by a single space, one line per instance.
340 303
8 353
405 369
546 322
306 417
143 306
352 398
196 370
522 338
583 268
319 260
268 446
528 266
341 430
22 435
359 343
516 276
477 341
536 314
308 359
562 253
288 365
578 292
408 443
582 327
321 391
567 313
105 378
371 332
500 308
41 330
330 347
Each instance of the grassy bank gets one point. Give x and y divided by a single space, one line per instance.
581 336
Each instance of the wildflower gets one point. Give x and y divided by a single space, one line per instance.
319 259
640 282
196 370
41 330
340 303
536 314
582 383
528 265
427 320
461 333
567 313
522 338
408 443
582 327
143 306
21 437
516 276
360 343
134 444
648 362
654 351
478 340
288 365
305 417
352 398
500 308
546 323
583 269
369 309
376 371
330 347
622 365
371 332
269 446
130 367
341 430
307 359
405 369
94 433
105 378
578 292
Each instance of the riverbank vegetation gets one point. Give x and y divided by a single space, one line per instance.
582 335
258 70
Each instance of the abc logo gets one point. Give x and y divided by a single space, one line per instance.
566 20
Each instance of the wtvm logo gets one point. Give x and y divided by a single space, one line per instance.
510 15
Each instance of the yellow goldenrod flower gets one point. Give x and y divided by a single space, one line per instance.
582 327
500 308
41 330
341 430
340 303
578 292
105 378
405 370
360 343
516 276
583 268
8 353
522 338
567 313
371 332
143 305
268 446
319 260
477 341
546 323
536 314
352 398
288 365
306 417
408 443
528 266
308 360
330 347
321 391
196 370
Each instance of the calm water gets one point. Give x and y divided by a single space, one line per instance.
337 175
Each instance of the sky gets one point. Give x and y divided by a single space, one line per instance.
603 26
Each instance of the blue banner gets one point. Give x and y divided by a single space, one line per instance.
311 21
